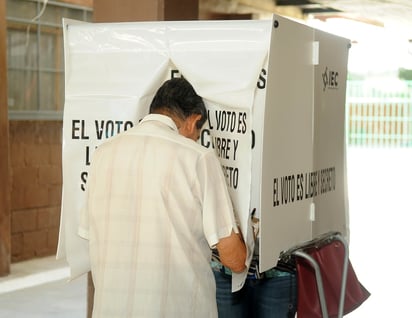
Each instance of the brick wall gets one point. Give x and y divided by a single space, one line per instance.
4 151
36 183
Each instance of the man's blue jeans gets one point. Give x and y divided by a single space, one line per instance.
270 297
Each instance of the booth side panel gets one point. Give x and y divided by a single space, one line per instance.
287 140
329 134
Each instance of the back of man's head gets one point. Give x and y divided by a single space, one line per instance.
178 97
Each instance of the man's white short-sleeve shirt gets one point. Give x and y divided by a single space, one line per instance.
156 203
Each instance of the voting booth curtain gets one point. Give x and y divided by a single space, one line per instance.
112 71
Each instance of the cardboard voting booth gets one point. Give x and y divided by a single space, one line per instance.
303 190
275 94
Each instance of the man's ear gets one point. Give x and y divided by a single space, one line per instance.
193 119
189 127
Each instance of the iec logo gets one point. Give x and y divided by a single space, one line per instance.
330 79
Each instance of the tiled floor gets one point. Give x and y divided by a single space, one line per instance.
40 289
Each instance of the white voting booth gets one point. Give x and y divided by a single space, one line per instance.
275 94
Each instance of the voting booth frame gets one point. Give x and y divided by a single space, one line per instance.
293 175
303 186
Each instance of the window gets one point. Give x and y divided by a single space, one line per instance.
35 56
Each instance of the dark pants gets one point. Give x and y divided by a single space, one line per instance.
270 297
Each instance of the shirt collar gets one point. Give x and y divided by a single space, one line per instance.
166 120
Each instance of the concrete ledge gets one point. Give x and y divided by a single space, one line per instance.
33 273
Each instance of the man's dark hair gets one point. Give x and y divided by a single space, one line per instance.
178 97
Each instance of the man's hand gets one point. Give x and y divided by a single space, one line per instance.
232 252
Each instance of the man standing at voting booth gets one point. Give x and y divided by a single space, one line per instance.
156 204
